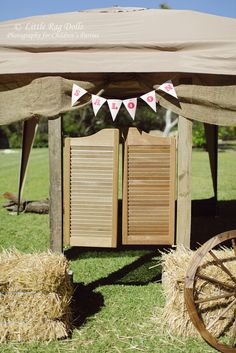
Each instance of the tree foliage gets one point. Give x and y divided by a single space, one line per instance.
11 135
83 122
164 6
225 133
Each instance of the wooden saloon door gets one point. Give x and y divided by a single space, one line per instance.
149 189
91 189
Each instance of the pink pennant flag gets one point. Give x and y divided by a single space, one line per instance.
168 87
150 99
114 106
77 93
131 106
97 102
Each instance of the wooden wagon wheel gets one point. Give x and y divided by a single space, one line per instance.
210 291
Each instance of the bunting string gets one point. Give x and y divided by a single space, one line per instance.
115 104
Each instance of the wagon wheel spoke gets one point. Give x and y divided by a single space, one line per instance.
215 281
222 266
221 315
234 246
216 297
232 343
212 293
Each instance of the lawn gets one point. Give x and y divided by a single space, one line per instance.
119 294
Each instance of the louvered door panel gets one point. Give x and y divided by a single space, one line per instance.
91 189
149 189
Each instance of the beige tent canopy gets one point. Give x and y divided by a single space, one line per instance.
123 51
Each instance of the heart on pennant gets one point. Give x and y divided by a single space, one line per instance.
150 99
97 103
131 106
168 87
114 106
77 93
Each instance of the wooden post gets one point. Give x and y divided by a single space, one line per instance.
55 190
184 197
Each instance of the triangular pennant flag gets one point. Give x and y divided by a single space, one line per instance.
168 87
131 106
150 99
97 102
114 106
77 93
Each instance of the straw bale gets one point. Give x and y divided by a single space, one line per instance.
35 296
174 317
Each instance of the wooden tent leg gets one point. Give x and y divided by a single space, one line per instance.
55 189
211 132
29 131
184 196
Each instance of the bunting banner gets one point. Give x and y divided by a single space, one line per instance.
168 87
115 104
77 93
150 99
97 103
131 106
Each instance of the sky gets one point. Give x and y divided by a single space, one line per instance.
11 9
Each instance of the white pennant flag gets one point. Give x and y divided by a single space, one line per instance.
97 102
168 87
131 106
77 93
114 106
150 99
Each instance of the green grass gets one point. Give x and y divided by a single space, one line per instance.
27 232
120 296
201 175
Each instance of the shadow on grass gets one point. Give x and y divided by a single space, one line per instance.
138 273
86 302
211 218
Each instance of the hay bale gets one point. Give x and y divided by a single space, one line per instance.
174 317
35 295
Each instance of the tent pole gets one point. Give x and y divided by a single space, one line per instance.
184 196
55 180
29 131
211 132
